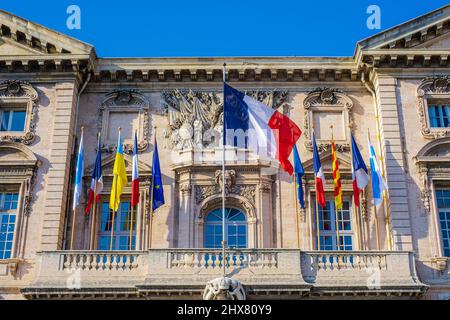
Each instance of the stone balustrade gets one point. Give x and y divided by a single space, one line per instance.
184 272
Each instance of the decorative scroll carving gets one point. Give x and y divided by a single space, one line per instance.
327 99
124 101
432 87
195 117
15 92
246 191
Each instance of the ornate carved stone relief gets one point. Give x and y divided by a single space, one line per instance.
195 117
327 100
432 88
124 101
20 93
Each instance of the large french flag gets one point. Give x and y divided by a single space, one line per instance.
360 175
135 175
97 180
320 177
251 124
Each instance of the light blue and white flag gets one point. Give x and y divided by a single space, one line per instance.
378 183
79 174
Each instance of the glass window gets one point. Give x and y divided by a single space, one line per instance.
443 200
8 214
439 115
235 229
12 120
122 224
327 225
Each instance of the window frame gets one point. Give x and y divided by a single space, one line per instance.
12 110
227 224
20 95
439 222
10 212
333 232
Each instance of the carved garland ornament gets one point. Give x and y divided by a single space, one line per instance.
125 101
13 92
432 88
195 117
323 99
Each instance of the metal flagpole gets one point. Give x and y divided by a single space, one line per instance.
224 242
317 219
131 227
150 215
114 209
72 233
94 208
357 209
374 206
296 208
338 237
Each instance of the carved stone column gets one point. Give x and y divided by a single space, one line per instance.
185 211
265 214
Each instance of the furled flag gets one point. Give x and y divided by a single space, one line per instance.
97 180
268 131
299 173
79 173
378 183
157 186
135 175
360 175
120 176
336 176
320 177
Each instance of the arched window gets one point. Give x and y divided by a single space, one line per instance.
235 228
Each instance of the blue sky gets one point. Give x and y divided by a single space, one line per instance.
220 27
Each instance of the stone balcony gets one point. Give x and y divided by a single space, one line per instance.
183 273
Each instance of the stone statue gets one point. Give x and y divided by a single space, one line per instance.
230 176
224 289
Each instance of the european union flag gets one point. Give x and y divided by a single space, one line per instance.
299 173
157 187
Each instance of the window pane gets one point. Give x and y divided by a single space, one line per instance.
4 120
122 223
18 121
7 223
235 227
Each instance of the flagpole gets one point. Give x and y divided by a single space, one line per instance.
223 173
357 208
296 209
338 237
114 209
72 233
374 206
94 206
317 205
131 227
150 215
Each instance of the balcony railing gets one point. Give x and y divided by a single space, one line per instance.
184 272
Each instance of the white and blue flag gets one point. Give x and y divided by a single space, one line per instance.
378 183
79 174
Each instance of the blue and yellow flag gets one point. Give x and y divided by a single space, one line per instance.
120 176
299 173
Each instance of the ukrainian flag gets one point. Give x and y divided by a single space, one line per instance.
120 176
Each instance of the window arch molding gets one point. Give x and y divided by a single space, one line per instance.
432 88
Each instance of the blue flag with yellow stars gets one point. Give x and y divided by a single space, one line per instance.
157 186
299 173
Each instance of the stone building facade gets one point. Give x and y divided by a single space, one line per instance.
396 88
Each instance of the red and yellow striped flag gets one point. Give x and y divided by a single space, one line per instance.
336 177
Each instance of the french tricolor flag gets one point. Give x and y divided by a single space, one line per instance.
97 180
320 177
360 174
251 124
135 175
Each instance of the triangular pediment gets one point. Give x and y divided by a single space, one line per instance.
108 165
325 160
19 36
430 31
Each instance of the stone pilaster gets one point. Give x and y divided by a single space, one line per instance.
390 133
58 175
